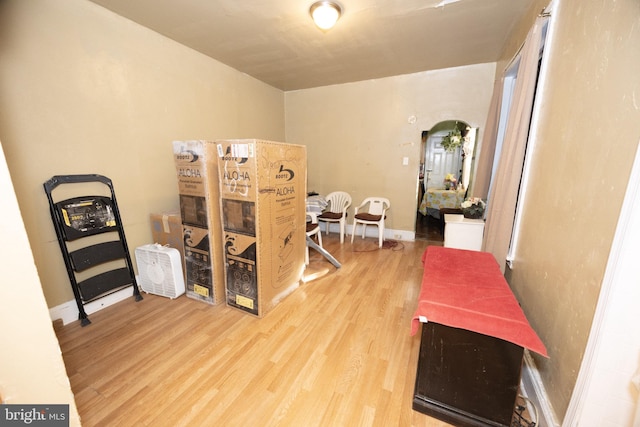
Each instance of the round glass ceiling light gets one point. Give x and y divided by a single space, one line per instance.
325 13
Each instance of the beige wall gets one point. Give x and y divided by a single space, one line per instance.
586 138
358 133
86 91
26 376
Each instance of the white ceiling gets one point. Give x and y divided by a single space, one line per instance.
276 41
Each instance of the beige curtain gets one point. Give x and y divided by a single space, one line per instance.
484 163
504 189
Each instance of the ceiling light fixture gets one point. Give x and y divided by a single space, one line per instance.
325 13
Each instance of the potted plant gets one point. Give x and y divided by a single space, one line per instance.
473 208
450 181
452 140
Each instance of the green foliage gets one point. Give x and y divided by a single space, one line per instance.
453 140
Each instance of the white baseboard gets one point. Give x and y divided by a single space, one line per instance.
68 311
372 231
403 235
533 389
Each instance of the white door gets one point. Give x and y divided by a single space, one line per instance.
439 162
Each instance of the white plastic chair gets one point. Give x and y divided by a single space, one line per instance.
339 202
374 215
313 229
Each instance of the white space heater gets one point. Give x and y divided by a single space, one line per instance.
160 270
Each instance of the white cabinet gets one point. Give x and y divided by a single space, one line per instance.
463 233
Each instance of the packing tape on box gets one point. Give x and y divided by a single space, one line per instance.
165 224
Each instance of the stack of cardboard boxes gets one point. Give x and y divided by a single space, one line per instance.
242 208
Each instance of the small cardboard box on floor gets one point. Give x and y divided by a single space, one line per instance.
199 191
166 230
263 197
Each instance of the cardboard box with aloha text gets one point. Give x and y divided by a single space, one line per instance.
197 169
263 196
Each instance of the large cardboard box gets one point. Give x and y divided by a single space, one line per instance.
263 196
199 191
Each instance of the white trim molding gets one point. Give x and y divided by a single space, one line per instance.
372 231
602 394
68 311
533 389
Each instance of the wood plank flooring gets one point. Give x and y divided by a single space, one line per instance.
336 352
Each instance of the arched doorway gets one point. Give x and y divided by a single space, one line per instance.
441 160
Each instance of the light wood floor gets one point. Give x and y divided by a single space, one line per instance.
336 352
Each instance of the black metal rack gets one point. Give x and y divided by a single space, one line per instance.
80 217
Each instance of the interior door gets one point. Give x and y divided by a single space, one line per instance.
439 162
